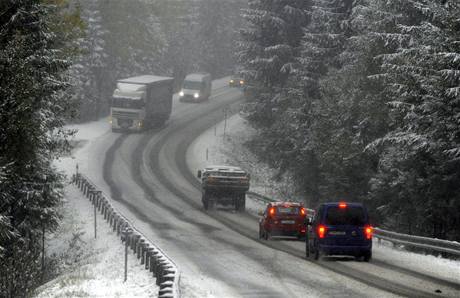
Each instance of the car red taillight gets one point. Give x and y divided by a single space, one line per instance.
302 211
368 232
271 211
321 231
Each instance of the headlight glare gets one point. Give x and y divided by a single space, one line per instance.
196 95
181 93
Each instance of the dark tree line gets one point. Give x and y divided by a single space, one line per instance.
360 101
126 38
33 62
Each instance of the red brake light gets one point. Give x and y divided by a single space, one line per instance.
302 211
368 232
321 231
342 205
271 211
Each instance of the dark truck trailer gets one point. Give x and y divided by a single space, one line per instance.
141 102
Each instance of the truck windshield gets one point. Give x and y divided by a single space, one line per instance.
194 85
345 216
127 103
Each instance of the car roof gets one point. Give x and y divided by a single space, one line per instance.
223 168
335 204
283 203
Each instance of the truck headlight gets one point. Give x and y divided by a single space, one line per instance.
181 93
196 95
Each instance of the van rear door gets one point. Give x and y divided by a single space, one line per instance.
345 225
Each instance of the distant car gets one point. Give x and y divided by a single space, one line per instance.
225 185
340 228
283 219
236 81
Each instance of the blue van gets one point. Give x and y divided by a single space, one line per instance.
340 228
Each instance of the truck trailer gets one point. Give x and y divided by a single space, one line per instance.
141 102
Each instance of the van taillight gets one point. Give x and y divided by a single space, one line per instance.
302 211
271 211
321 231
368 232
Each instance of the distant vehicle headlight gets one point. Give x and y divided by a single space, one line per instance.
181 93
196 95
231 81
241 82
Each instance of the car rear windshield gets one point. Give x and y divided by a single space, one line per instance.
288 210
345 216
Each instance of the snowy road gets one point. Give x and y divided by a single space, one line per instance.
219 253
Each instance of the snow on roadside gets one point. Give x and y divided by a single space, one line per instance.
90 267
230 149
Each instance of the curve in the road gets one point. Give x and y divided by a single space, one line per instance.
189 129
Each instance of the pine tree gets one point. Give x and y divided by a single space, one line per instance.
419 165
217 27
268 50
32 113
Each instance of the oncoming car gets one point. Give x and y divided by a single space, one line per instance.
340 228
282 219
236 81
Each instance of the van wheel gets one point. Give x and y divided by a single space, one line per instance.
367 256
307 248
317 253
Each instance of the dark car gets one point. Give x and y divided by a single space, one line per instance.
340 228
283 219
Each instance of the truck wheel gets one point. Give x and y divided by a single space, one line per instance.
211 204
241 203
367 256
205 201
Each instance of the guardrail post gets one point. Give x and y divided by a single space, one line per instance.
151 259
137 239
140 251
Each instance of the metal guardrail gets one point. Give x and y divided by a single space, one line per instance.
156 261
425 243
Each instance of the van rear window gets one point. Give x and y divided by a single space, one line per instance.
345 216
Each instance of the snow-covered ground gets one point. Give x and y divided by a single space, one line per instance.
90 267
213 148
